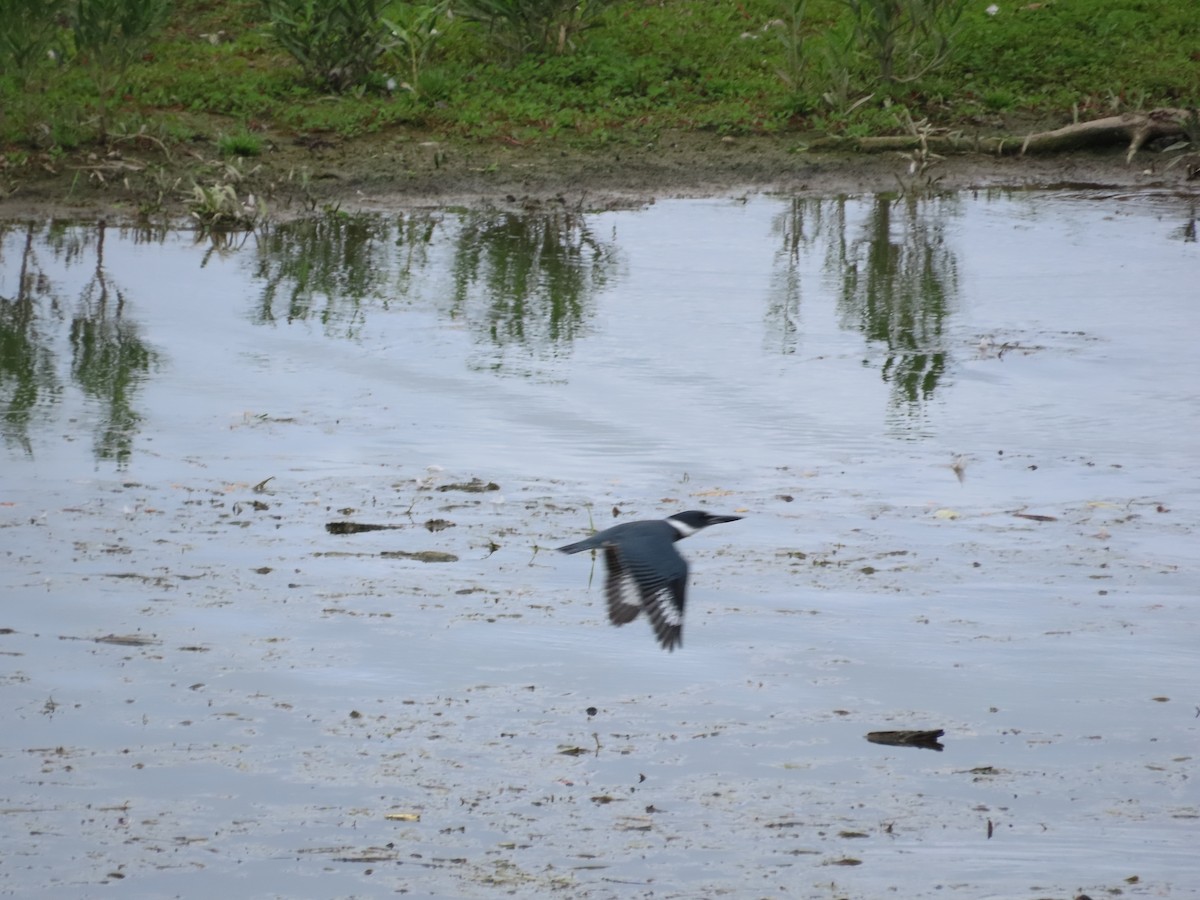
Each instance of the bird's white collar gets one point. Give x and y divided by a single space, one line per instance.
684 529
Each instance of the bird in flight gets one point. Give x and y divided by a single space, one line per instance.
646 572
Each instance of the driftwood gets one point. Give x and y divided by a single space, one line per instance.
1132 128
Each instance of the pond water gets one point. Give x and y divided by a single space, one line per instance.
963 431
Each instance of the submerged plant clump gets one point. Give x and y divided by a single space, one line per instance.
218 207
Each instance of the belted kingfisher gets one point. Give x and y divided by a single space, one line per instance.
645 571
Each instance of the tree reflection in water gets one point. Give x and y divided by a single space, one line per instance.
526 279
519 282
899 282
896 278
108 357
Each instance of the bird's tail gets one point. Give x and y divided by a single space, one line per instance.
579 546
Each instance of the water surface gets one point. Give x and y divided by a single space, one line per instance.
963 432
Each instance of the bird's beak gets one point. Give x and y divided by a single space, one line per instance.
717 520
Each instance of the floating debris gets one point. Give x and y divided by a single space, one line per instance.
402 817
474 486
371 855
421 556
959 468
927 740
121 640
633 823
356 527
1034 517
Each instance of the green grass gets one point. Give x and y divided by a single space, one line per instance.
1077 53
692 64
243 143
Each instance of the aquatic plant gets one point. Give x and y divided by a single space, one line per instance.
217 207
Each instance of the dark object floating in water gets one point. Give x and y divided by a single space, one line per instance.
474 486
356 527
421 556
927 740
120 640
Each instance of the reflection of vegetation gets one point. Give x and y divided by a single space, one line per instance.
519 279
1187 231
27 374
327 266
108 356
898 282
538 272
799 227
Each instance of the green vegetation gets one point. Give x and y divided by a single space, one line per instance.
525 26
415 29
335 43
243 143
76 75
905 40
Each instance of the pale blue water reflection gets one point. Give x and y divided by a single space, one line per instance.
678 315
883 386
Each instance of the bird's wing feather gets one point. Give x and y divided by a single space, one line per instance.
660 576
621 589
665 611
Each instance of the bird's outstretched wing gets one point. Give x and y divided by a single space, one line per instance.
620 588
650 576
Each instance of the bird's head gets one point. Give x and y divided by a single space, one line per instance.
693 520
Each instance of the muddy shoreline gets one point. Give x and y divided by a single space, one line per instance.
295 176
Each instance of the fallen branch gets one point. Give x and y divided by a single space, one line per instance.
1134 128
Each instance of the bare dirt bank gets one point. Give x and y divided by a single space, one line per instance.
295 175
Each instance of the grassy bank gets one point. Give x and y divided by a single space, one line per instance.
212 78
